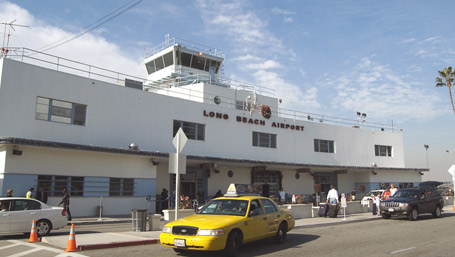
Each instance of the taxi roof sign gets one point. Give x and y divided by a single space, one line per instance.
241 190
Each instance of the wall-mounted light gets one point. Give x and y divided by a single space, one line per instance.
230 173
133 146
154 162
374 172
16 150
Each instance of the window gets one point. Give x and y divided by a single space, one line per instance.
192 130
121 186
383 150
264 140
54 185
23 205
324 146
60 111
268 206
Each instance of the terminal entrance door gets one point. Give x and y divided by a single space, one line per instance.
269 182
192 184
325 180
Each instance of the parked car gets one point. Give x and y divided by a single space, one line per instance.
227 222
411 202
17 215
367 198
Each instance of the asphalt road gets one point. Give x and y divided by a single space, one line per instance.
395 237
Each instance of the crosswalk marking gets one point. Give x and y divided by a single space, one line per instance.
38 247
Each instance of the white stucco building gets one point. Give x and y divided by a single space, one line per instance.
69 125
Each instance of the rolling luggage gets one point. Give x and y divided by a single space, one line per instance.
323 208
333 210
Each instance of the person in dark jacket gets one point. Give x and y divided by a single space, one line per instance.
41 195
66 204
218 194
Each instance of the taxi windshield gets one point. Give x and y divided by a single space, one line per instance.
225 207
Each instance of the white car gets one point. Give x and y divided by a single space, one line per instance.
366 199
17 215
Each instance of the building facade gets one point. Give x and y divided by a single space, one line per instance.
107 136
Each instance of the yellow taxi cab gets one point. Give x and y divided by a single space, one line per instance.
224 223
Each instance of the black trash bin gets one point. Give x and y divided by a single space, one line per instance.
139 219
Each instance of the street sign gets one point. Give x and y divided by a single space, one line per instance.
182 137
452 170
173 162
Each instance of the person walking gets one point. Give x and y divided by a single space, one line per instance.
9 193
30 193
66 204
282 196
332 196
41 195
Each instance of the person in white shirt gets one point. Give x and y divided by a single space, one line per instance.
282 196
393 189
332 196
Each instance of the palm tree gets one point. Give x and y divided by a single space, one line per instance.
446 79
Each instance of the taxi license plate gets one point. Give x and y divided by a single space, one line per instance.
391 210
179 242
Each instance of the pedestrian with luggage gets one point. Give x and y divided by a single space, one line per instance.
332 196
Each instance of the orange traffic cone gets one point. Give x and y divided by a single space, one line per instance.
71 246
33 234
454 203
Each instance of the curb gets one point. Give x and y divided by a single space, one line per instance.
117 244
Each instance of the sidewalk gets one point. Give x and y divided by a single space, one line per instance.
116 239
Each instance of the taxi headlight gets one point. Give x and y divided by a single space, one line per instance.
403 205
211 232
167 229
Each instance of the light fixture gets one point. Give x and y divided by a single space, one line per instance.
132 146
374 172
16 151
230 173
154 162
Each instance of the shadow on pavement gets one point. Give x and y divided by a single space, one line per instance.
265 246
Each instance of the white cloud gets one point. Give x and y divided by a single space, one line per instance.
269 64
375 89
288 20
277 10
89 48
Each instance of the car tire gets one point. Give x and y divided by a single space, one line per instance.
232 244
413 214
43 228
386 216
437 212
280 236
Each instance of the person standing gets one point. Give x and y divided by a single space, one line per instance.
393 190
41 195
282 195
9 193
30 193
386 194
378 204
353 192
164 197
373 198
332 196
66 204
218 194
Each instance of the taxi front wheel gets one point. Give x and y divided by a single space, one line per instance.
280 236
232 245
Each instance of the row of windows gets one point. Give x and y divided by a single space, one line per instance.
76 186
72 113
60 111
196 131
185 59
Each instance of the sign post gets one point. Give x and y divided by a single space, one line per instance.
179 142
343 205
452 172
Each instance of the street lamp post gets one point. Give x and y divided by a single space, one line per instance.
428 166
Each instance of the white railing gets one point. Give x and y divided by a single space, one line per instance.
175 88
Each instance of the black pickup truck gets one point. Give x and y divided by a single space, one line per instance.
411 202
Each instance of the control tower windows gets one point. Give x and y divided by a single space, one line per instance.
160 63
198 62
186 59
168 59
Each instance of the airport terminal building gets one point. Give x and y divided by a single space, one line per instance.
107 136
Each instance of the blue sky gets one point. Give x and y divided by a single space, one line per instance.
327 57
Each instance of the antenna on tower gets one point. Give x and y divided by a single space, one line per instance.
11 26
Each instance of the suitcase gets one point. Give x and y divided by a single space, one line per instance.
333 210
323 208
